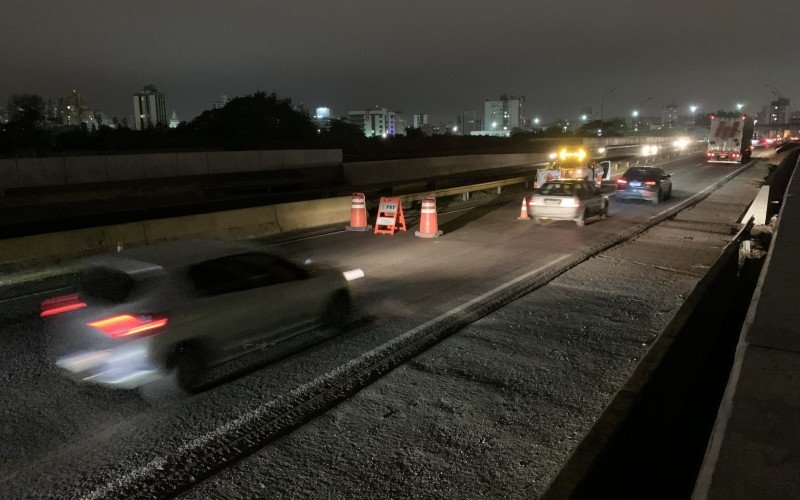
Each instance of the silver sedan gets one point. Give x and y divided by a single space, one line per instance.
176 310
568 199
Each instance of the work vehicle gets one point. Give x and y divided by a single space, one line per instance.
568 199
729 139
176 310
644 183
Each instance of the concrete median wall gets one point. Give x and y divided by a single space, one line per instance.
56 171
228 225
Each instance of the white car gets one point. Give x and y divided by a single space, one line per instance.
568 199
176 310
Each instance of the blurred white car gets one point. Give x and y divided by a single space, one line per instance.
176 310
568 199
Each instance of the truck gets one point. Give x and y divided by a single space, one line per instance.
729 139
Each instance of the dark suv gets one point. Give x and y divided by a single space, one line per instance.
644 183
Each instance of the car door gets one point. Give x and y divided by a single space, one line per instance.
590 197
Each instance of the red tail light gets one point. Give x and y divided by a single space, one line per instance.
127 325
621 183
649 183
61 304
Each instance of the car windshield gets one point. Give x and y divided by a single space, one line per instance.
559 188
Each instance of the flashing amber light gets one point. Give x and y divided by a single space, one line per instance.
126 325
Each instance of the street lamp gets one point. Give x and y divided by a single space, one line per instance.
739 106
635 113
602 101
693 109
584 117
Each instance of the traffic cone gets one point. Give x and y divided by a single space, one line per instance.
358 214
428 224
523 212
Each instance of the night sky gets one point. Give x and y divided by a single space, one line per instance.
434 56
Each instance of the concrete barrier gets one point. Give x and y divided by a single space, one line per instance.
375 172
125 167
8 175
85 170
55 171
40 172
230 224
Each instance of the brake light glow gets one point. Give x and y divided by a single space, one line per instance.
126 325
621 181
62 304
649 183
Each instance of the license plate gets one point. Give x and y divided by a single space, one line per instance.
635 184
552 202
723 157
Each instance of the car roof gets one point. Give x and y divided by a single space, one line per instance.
166 255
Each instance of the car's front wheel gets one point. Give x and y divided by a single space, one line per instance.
339 309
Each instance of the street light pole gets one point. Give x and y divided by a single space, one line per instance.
602 102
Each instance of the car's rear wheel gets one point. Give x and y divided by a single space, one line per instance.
339 309
657 199
581 220
190 363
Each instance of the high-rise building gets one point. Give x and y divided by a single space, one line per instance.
419 119
221 102
670 115
467 123
375 122
794 118
777 111
322 118
149 108
400 123
73 111
506 113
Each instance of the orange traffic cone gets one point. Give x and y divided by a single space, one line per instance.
523 212
428 224
358 214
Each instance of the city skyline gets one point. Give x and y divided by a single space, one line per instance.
558 57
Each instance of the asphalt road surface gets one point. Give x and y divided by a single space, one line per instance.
58 433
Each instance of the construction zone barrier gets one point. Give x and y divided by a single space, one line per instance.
358 214
390 216
428 222
523 211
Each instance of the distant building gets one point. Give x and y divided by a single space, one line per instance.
72 111
174 122
400 123
375 122
149 108
221 102
467 123
419 119
777 111
322 118
794 118
670 115
506 113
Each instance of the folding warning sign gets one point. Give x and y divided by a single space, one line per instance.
390 216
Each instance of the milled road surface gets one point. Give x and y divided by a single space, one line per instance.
56 431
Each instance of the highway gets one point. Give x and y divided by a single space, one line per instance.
65 439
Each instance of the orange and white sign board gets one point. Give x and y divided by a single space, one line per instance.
390 216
